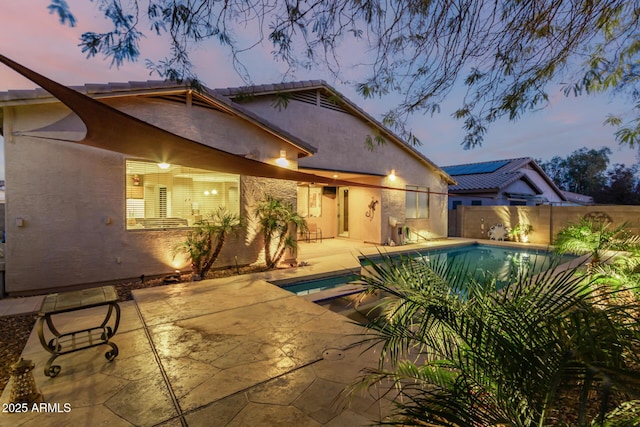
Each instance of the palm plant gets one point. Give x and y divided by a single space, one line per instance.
275 218
461 353
593 238
205 240
622 273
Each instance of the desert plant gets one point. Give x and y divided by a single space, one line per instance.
623 272
205 240
275 217
594 238
454 351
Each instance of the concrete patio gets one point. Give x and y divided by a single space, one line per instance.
236 351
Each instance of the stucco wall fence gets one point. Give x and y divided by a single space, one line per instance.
547 220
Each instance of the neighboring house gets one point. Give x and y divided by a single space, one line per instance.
78 215
510 182
576 199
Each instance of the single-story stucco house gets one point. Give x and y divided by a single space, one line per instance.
506 182
80 216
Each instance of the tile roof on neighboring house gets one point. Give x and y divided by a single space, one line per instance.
347 106
579 199
495 175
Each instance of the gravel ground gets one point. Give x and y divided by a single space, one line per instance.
14 333
15 330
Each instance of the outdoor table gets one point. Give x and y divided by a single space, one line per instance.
69 342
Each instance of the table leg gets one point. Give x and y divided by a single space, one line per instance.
55 345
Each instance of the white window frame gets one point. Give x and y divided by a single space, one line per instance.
417 202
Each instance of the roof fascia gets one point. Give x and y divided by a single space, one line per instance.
549 181
237 110
367 118
305 150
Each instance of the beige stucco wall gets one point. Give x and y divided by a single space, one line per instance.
65 202
551 195
327 222
340 140
546 220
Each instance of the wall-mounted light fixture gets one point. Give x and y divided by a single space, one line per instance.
392 175
282 160
164 165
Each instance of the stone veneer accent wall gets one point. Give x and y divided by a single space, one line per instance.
252 191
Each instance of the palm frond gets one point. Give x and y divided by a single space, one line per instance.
460 349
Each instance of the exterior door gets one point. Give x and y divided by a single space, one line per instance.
343 211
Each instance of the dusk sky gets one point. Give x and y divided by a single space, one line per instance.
34 38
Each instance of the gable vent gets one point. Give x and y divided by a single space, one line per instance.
331 103
307 96
181 99
318 98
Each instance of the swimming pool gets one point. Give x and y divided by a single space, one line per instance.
314 285
498 261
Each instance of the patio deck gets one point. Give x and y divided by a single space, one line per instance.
236 351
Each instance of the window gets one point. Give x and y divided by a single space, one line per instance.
310 201
455 204
171 196
476 203
417 202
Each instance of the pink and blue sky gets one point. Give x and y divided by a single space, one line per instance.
34 38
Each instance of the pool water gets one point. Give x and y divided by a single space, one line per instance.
307 287
498 261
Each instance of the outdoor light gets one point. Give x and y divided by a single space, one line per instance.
214 192
206 192
392 175
164 165
282 160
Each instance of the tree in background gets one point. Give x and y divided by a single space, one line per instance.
623 187
583 171
505 52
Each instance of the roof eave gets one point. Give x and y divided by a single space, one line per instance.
44 97
353 108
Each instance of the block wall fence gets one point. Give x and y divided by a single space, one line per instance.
475 221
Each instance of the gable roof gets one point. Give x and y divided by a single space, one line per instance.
223 100
142 139
168 90
335 101
496 175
